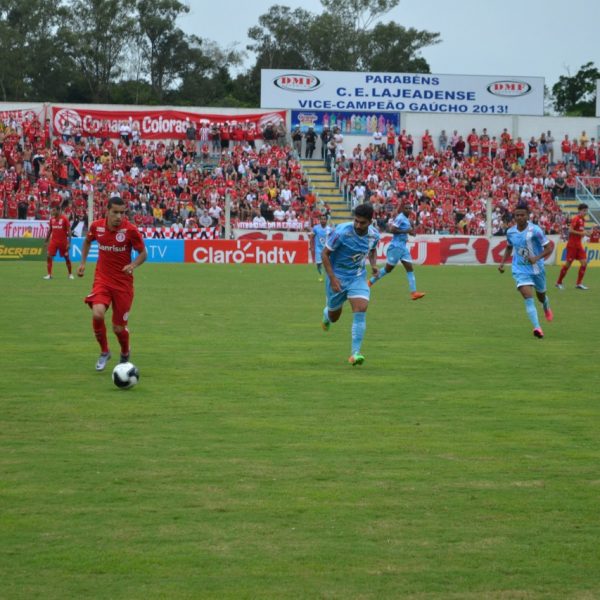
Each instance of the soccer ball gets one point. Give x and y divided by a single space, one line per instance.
125 375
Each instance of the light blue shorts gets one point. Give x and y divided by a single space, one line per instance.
537 281
355 287
397 254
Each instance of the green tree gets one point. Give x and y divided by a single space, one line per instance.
576 96
37 68
97 40
163 45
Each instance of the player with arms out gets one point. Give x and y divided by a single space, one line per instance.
318 237
113 280
58 240
344 258
529 247
401 227
575 249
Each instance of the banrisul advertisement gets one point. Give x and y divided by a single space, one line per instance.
401 92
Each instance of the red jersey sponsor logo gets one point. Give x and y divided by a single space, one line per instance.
112 255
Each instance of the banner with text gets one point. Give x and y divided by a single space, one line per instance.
16 228
153 124
12 249
592 251
397 92
250 251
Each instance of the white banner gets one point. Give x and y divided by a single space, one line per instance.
15 228
401 92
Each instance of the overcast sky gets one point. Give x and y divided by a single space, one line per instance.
541 38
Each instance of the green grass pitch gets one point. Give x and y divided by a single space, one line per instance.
460 461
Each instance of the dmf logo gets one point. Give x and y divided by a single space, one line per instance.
509 88
297 82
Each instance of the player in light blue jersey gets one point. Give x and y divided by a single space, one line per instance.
318 237
528 246
344 259
397 252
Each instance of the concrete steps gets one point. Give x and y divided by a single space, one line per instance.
326 190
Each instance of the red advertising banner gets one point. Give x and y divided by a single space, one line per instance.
246 251
422 252
153 124
477 250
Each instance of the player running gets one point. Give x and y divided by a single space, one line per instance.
398 251
113 280
344 258
318 237
529 246
58 240
575 249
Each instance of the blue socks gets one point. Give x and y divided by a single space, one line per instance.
359 326
412 282
326 314
382 273
532 312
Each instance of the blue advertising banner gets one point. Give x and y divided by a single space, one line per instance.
159 251
349 123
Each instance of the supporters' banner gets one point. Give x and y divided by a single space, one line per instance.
270 234
153 124
181 233
17 113
349 123
15 228
12 249
455 250
398 92
242 251
592 251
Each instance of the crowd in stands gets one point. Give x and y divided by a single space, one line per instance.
185 183
180 183
450 181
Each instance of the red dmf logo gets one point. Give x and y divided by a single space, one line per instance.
297 82
509 88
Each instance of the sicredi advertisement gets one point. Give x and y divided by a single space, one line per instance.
397 92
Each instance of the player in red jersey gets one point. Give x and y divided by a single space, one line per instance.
113 280
575 249
57 240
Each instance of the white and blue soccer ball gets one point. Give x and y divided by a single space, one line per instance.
125 375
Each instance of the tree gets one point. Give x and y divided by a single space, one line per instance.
100 34
391 47
36 69
575 96
280 39
163 45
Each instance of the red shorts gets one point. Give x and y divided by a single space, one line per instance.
63 250
576 253
120 300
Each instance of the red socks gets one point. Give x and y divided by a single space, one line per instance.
581 274
123 337
49 265
100 333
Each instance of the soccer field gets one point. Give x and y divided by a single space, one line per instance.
251 461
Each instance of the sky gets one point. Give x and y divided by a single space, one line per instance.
535 38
